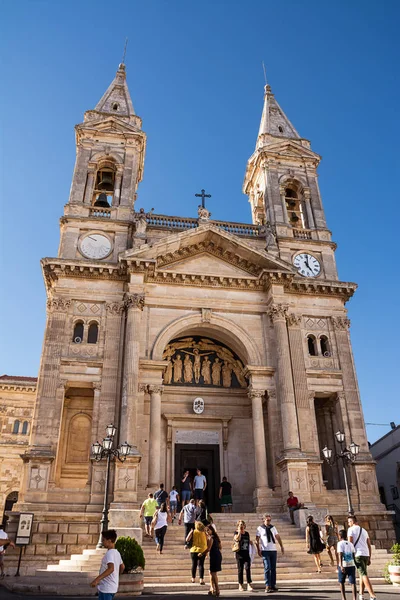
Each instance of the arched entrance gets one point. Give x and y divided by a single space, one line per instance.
11 499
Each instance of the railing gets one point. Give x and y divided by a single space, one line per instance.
189 223
302 234
102 213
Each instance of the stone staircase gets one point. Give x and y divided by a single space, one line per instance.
170 571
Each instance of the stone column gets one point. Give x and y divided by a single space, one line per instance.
307 202
79 176
306 430
260 455
96 411
155 392
283 200
89 186
291 439
130 383
117 188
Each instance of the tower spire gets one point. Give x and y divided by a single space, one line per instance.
274 122
117 99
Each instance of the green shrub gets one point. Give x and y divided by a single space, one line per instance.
395 560
131 552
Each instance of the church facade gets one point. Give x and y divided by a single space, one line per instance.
209 344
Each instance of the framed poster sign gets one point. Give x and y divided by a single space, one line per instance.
24 529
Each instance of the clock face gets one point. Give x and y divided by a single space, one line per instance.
95 245
307 265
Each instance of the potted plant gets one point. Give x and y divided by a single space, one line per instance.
394 565
131 581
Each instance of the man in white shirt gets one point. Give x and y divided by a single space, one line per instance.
111 566
5 542
266 536
346 564
199 484
358 536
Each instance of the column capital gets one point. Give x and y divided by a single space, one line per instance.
155 389
341 395
134 301
255 393
271 393
277 312
115 308
58 304
341 323
96 386
293 320
62 384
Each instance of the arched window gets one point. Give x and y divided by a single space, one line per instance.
104 186
16 427
77 338
25 428
93 333
312 345
295 209
325 347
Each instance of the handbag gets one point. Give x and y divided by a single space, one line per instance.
235 546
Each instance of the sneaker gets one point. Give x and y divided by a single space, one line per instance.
250 588
241 588
275 589
360 597
269 590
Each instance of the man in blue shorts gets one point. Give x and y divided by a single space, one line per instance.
186 488
346 566
199 484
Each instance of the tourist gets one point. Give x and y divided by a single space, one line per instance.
199 484
266 536
202 514
5 541
225 495
242 538
148 509
161 495
332 538
359 537
186 488
313 542
111 566
214 550
293 505
173 502
189 514
160 525
198 550
346 565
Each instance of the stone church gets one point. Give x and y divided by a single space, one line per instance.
209 344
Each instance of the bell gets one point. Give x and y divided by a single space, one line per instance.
102 201
294 217
106 181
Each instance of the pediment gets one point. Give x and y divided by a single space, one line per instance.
207 250
109 125
290 148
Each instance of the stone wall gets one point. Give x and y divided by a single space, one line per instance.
379 526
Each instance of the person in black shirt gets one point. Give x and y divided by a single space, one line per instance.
243 555
225 495
161 495
186 488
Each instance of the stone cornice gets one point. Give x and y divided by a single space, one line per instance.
55 268
18 387
344 290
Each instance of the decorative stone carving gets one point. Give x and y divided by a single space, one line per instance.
202 361
115 308
58 304
140 220
97 386
206 315
293 320
255 393
341 322
62 384
271 394
126 478
204 214
155 389
317 323
277 312
38 478
134 301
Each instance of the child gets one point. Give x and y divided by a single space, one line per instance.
173 501
346 565
4 541
111 566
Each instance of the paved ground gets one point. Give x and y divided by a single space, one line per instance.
383 592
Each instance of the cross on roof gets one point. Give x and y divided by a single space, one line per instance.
203 195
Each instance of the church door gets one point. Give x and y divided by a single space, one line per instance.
206 458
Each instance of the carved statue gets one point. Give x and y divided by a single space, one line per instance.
216 372
140 219
203 213
197 362
206 370
187 369
226 375
270 236
168 372
237 369
177 369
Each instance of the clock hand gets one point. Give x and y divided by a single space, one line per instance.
92 238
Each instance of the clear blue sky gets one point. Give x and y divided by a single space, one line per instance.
195 76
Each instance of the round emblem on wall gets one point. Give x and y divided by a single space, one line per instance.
198 406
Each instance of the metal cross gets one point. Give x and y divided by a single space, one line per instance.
203 195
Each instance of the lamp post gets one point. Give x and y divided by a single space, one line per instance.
347 456
106 450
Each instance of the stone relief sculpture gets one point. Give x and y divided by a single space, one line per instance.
205 362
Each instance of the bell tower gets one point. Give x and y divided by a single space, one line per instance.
110 151
282 184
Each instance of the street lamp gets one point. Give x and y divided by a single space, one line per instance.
347 456
106 450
